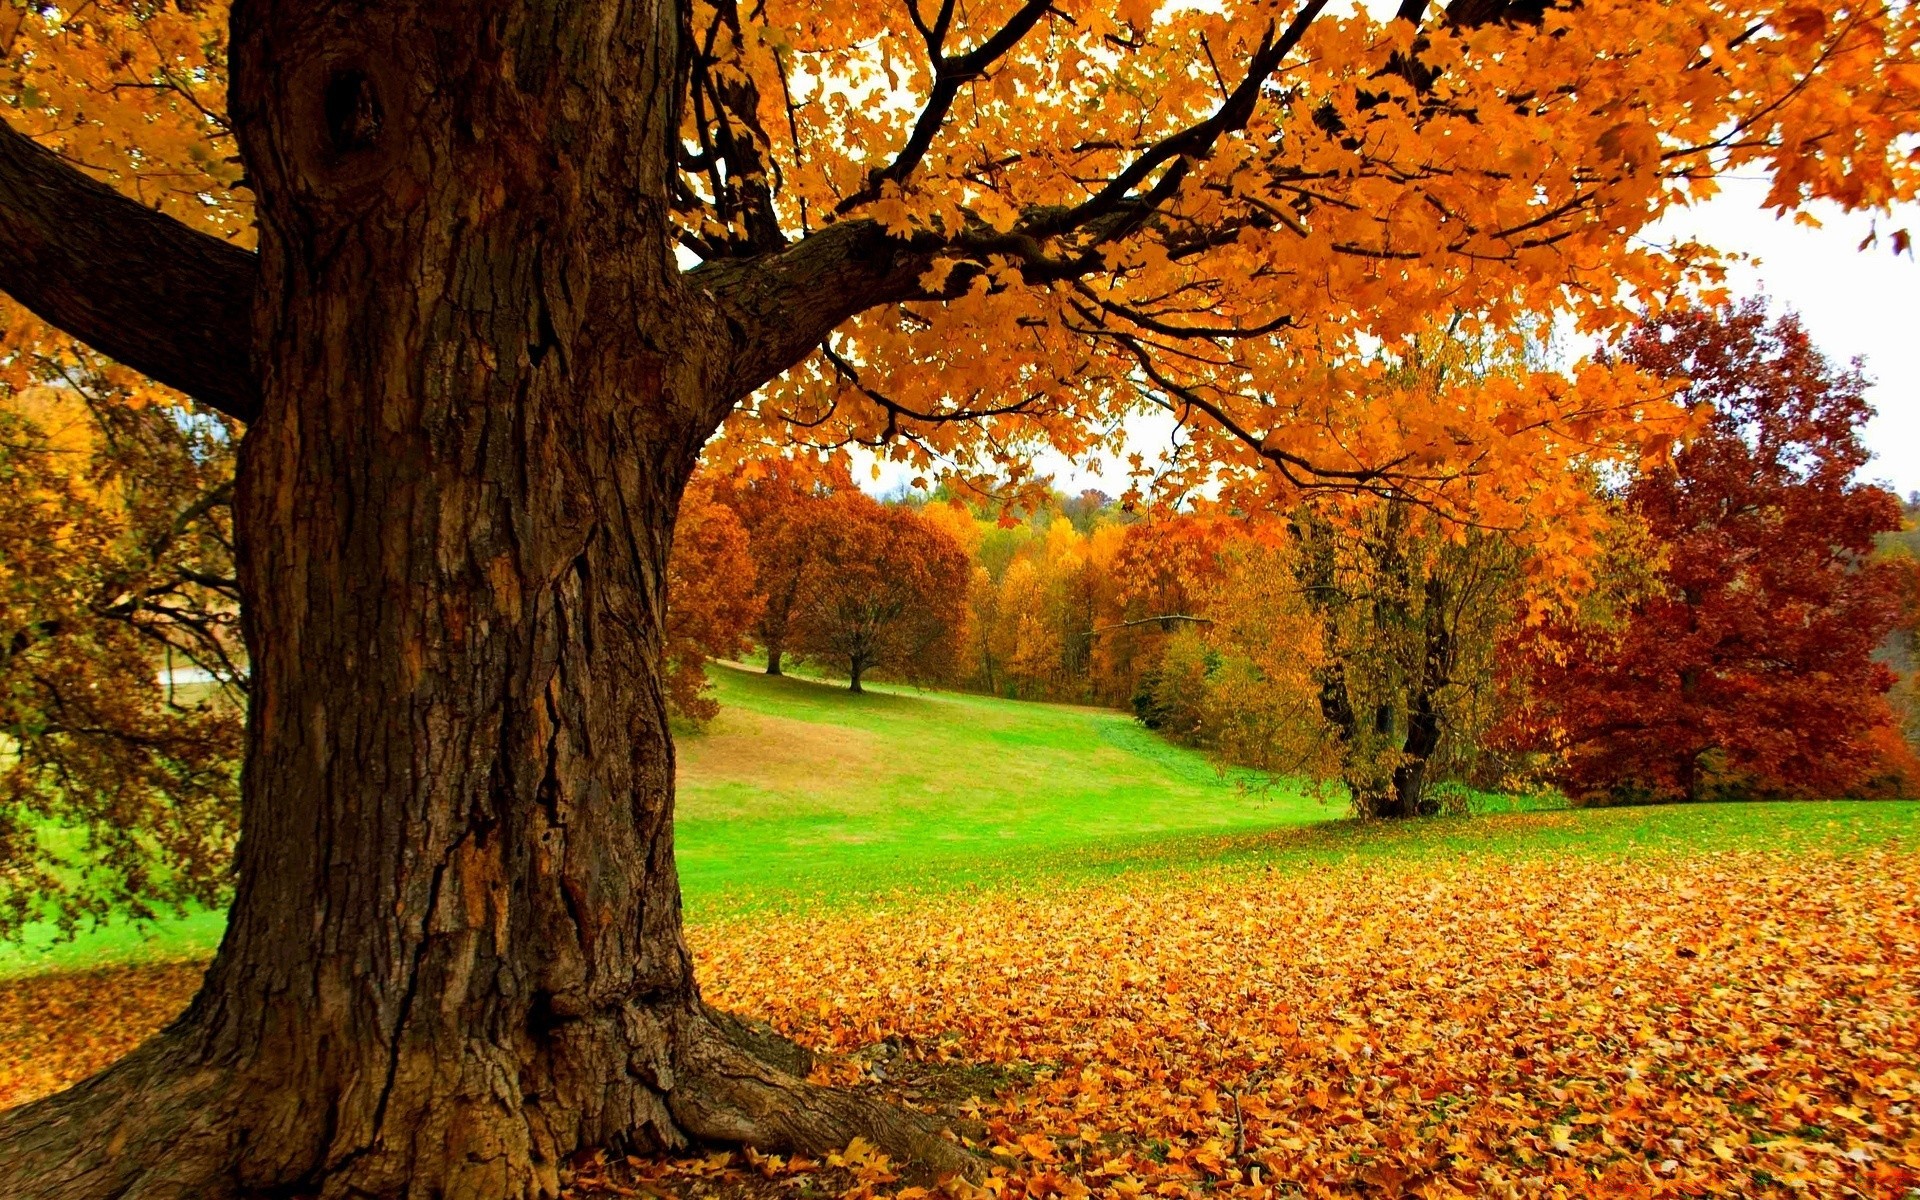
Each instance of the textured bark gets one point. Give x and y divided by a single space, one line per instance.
1423 710
132 283
455 952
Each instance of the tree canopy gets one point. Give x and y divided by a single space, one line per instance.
1017 223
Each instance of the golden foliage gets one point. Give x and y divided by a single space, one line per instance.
1737 1024
1733 1024
115 572
1384 185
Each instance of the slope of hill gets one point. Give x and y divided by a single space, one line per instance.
801 791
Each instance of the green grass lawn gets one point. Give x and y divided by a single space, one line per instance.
801 794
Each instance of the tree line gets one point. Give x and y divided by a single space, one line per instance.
1734 628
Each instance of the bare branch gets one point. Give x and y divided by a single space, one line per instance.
948 75
136 285
1165 622
1195 141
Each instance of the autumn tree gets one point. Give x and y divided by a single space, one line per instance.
1167 567
1041 587
712 600
1411 615
1356 646
517 261
122 677
886 591
778 501
1752 668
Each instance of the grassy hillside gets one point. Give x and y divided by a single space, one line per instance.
801 791
802 795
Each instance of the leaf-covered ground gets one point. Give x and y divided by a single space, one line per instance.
1736 1024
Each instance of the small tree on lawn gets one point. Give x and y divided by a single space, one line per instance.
887 590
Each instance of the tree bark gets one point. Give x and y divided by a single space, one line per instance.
773 660
82 256
1423 711
455 954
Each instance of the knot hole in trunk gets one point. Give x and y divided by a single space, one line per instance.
352 111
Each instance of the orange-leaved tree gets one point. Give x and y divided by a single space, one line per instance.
712 601
518 259
886 590
121 672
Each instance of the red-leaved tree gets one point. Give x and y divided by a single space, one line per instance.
886 590
711 598
1750 668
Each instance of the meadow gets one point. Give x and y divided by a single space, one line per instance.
801 795
1116 970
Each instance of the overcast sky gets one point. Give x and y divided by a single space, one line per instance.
1854 302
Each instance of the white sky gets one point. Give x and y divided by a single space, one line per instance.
1853 302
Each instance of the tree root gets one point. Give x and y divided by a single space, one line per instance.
142 1128
157 1126
728 1093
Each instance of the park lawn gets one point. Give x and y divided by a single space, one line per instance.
802 793
1122 974
802 796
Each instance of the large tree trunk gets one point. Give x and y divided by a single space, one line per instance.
1423 711
455 953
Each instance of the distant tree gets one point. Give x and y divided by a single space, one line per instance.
1753 666
1901 650
1357 646
777 501
711 598
886 590
1411 617
1165 568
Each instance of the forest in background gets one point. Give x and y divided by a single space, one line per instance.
1739 621
1734 618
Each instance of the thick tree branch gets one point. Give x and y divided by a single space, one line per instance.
134 284
781 306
